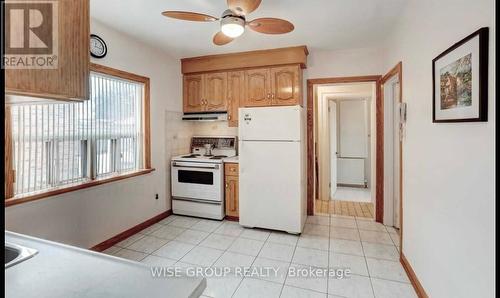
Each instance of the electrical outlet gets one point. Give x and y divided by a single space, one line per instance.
156 196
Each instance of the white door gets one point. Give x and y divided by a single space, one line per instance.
270 123
396 140
332 110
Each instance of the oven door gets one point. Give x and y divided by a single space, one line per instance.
197 181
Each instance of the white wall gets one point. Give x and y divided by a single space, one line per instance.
448 169
87 217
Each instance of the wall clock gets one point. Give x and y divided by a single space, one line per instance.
98 48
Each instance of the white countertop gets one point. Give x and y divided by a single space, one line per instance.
234 159
60 270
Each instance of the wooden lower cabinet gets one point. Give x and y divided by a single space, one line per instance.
231 190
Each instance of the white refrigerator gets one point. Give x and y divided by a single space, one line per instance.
272 192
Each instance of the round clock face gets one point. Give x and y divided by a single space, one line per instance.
98 47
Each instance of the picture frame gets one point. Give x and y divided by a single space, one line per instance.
460 81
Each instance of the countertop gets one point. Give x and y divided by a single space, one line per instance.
60 270
234 159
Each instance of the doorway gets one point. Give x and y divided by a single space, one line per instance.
344 124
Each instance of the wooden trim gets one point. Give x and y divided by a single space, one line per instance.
419 289
9 169
397 70
146 103
232 218
379 156
250 59
134 230
65 189
310 134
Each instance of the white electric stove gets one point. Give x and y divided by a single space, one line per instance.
198 177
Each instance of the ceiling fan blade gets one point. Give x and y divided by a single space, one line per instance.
243 7
189 16
221 39
271 26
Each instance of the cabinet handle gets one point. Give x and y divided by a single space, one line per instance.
227 185
229 117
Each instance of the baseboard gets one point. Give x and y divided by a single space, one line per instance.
413 277
232 218
134 230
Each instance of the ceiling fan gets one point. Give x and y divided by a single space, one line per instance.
233 21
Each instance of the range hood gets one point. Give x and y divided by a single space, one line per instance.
208 116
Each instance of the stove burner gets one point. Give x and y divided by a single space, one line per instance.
218 157
208 155
191 156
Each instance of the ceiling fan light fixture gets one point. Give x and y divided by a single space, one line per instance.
232 26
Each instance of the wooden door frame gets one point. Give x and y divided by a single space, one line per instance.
397 71
379 115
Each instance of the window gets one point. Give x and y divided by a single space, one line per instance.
58 145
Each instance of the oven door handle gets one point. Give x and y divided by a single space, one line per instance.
216 167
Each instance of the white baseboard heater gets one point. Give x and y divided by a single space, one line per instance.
351 171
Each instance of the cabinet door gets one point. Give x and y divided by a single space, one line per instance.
70 80
232 186
235 95
285 85
192 93
258 88
215 91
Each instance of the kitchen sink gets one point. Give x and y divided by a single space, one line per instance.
15 254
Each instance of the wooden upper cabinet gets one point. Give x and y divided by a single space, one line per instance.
285 85
215 91
193 93
70 80
258 87
235 95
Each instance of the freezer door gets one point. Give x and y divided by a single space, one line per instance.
271 123
271 185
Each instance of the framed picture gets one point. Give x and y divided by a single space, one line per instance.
460 81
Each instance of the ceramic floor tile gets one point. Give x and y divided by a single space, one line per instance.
167 232
352 247
129 240
371 226
147 244
375 237
203 256
276 251
298 276
317 230
380 251
206 225
229 229
343 222
257 288
151 229
310 257
275 276
168 219
356 264
293 292
174 250
218 241
192 236
246 246
391 270
112 250
392 230
312 241
130 254
352 286
344 233
392 289
255 234
158 261
232 260
394 238
184 222
318 220
283 238
225 287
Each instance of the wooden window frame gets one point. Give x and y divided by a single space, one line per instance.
11 200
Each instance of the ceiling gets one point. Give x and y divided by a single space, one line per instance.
319 24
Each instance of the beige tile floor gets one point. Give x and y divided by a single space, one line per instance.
368 248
